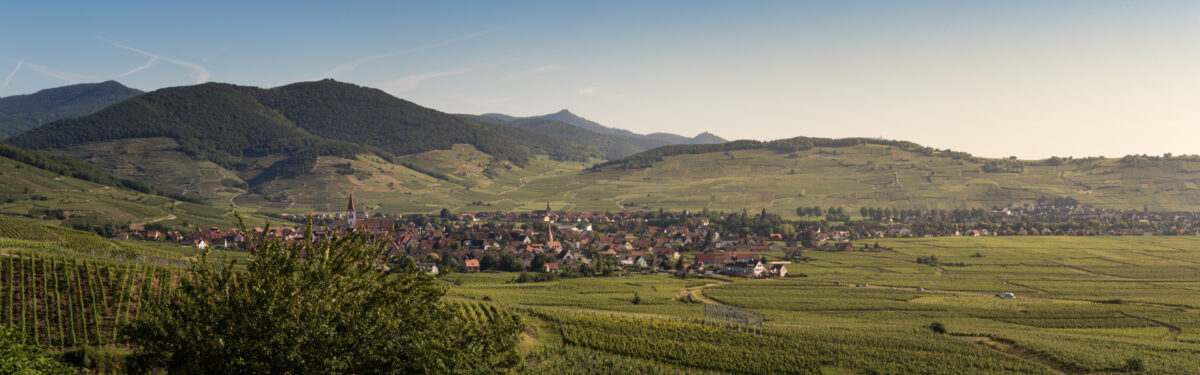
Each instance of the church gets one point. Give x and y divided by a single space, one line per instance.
357 220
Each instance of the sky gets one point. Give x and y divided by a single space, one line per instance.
1031 79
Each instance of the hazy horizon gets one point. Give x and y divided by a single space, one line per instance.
994 79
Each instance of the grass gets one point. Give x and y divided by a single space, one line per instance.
29 191
1084 305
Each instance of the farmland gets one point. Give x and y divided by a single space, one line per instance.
1094 304
35 192
1083 305
464 179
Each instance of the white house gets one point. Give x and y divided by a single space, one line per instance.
745 268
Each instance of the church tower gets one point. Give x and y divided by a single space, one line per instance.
350 215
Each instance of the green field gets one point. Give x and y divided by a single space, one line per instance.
465 179
30 191
1083 305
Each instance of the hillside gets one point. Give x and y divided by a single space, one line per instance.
783 175
34 192
258 135
372 117
23 112
537 142
613 142
610 145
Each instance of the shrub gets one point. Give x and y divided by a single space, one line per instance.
325 306
16 357
937 327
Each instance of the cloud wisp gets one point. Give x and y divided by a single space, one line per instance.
410 82
145 66
589 91
14 72
532 72
199 73
349 66
67 77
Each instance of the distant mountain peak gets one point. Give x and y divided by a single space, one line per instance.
20 113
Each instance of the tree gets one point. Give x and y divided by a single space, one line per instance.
318 306
539 262
16 357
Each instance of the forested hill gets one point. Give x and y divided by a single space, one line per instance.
538 142
216 122
648 158
611 146
614 143
372 117
23 112
226 124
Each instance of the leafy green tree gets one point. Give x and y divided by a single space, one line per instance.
324 306
16 357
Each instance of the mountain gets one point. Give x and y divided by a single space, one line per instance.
573 119
23 112
538 142
566 116
372 117
263 134
612 146
613 143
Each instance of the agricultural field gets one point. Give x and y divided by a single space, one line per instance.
1083 305
35 192
875 175
460 179
465 179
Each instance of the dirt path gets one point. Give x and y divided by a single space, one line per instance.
1016 352
954 292
155 220
696 294
1172 331
521 185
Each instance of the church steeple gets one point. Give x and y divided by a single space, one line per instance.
350 213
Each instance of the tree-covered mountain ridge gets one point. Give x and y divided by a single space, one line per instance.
19 113
238 126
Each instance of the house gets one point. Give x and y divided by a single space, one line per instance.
550 267
751 268
472 265
845 246
711 259
201 244
429 267
778 270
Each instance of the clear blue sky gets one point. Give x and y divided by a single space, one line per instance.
994 78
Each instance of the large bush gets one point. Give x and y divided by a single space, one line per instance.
315 307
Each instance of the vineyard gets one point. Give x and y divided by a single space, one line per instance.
49 239
1085 305
66 302
1090 305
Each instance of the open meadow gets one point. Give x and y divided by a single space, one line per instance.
1083 305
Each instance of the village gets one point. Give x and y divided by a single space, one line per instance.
600 243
